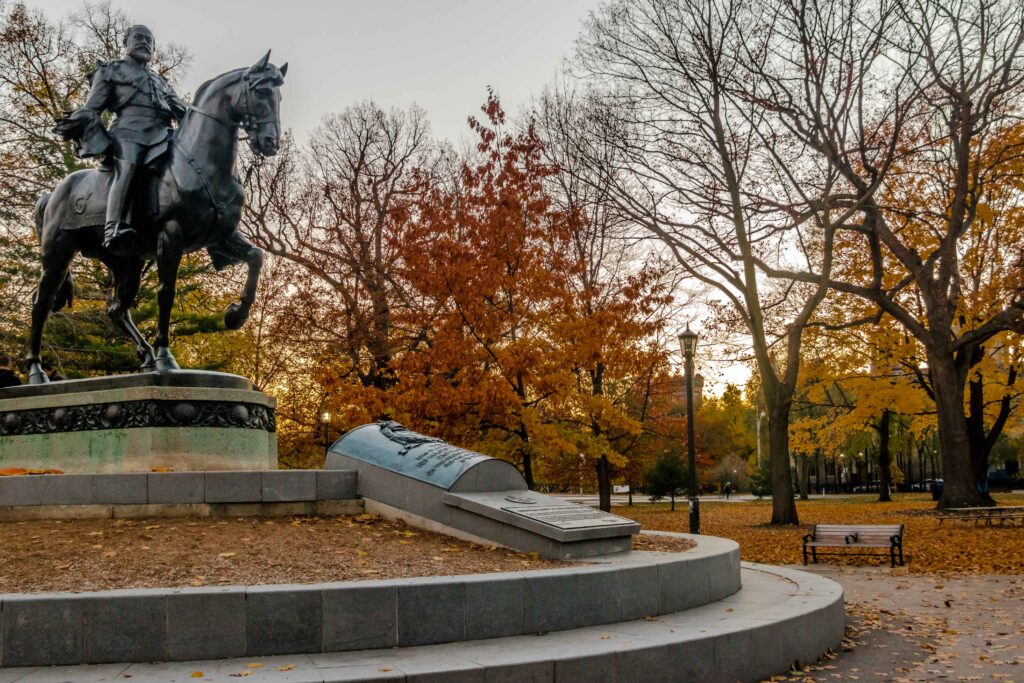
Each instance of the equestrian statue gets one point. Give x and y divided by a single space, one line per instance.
159 192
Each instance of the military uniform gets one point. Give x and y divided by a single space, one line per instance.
145 105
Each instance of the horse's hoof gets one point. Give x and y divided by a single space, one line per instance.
235 316
36 375
148 366
164 361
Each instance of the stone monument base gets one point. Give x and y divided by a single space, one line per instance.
434 485
183 420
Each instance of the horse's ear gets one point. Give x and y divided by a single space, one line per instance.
284 69
260 65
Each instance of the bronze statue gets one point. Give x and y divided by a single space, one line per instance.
180 201
145 104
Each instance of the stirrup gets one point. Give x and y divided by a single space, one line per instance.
117 232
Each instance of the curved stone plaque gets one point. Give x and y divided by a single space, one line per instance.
392 447
441 487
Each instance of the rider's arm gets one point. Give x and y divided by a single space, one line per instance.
75 125
178 106
101 91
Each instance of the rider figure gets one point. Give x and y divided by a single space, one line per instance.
145 105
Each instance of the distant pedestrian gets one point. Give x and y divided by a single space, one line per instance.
8 378
728 489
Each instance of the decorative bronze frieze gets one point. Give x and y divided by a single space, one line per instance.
136 414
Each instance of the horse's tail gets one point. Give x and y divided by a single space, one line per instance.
41 203
66 292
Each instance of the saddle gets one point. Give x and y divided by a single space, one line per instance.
89 201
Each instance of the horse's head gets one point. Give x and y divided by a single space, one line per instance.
258 105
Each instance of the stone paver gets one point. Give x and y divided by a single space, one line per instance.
926 628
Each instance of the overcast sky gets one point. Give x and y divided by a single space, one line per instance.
439 54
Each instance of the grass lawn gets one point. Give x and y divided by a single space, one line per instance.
928 548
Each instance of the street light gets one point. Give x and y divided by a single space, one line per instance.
688 344
325 424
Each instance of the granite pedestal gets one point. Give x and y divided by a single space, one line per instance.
183 420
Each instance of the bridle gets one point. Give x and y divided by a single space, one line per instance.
244 103
249 124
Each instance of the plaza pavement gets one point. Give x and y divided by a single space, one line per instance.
926 628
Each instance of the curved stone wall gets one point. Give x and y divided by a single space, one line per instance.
218 622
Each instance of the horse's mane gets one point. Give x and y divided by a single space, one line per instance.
237 73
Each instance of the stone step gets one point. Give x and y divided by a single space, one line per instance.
780 616
223 493
187 623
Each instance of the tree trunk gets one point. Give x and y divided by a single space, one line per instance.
528 470
884 458
783 506
805 475
981 443
604 483
959 483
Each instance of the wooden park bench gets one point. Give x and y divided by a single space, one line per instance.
1013 515
855 536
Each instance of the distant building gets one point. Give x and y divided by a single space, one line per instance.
678 387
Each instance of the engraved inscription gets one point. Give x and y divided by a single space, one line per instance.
567 516
435 457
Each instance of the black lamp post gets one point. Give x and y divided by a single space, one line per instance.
688 344
325 425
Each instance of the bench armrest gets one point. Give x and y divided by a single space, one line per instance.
851 538
808 538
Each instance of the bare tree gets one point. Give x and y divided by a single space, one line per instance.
711 175
337 209
925 157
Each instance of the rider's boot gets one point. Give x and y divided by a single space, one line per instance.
116 231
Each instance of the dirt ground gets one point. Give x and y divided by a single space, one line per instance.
83 555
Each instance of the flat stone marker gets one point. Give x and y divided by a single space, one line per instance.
459 490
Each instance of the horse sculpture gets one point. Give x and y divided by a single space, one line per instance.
192 200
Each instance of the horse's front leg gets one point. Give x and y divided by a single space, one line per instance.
238 248
170 247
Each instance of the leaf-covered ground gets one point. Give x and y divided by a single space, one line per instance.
928 548
97 554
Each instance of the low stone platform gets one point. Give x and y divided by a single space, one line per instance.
178 494
778 617
256 621
182 420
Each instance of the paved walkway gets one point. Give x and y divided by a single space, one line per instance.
923 628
